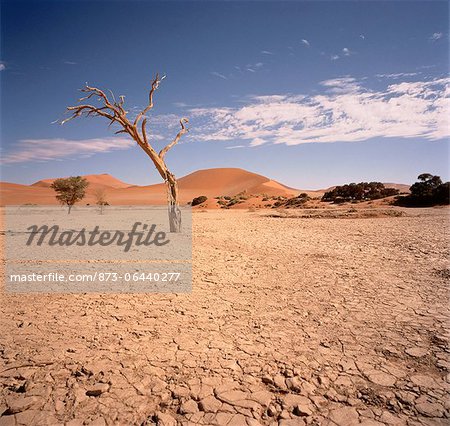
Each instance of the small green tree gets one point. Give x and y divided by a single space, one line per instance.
70 190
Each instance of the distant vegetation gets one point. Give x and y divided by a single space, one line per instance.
292 203
355 192
225 202
428 191
70 190
199 200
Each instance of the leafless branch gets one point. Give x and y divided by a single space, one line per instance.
115 113
144 132
183 130
155 85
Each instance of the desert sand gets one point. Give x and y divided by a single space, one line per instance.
209 182
292 321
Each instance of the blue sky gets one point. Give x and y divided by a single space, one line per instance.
308 93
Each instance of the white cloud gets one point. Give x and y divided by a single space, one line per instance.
56 149
2 66
70 63
398 75
306 42
346 51
254 67
345 111
266 52
341 85
362 36
218 74
236 147
334 57
436 36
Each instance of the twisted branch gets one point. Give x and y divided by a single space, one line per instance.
183 130
115 113
155 85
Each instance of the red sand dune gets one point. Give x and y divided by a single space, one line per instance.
104 180
208 182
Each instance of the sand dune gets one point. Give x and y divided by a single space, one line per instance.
104 180
400 186
209 182
230 181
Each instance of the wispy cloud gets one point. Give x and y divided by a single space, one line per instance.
70 63
236 146
346 51
426 67
398 75
2 66
218 74
266 52
362 36
334 57
56 149
306 42
345 111
254 67
436 36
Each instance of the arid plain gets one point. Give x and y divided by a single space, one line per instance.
301 318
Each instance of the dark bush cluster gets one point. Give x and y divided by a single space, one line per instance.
363 191
428 191
199 200
226 201
294 202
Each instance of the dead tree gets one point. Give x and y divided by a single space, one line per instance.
100 199
114 111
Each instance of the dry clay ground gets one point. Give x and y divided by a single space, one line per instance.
292 321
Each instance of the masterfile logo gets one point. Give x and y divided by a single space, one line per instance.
126 249
53 236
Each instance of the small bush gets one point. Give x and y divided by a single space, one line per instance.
199 200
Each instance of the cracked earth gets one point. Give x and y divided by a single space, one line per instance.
292 321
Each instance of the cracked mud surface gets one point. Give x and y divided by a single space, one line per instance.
291 322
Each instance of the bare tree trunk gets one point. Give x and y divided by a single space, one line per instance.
70 208
172 203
